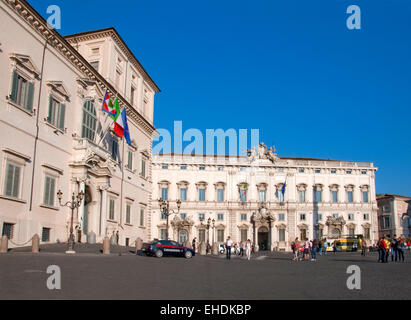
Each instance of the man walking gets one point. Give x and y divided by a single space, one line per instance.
394 248
248 249
228 246
194 244
363 247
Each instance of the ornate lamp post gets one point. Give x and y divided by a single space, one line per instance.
165 209
73 204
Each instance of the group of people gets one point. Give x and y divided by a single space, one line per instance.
394 246
240 248
303 249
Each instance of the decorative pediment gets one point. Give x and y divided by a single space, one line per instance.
145 153
331 221
351 225
179 223
243 226
262 153
281 226
302 226
366 225
26 62
59 87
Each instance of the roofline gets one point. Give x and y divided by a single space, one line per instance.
392 196
75 35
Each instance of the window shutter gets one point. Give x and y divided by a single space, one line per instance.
16 181
62 115
50 116
30 94
51 191
14 86
46 190
9 180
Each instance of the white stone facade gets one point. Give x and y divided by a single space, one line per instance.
263 174
51 124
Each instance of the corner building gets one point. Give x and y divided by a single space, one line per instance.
244 198
53 132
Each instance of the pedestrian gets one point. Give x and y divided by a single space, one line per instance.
363 247
194 244
117 237
314 250
295 246
335 246
320 247
394 249
248 249
306 249
325 245
381 250
228 245
242 249
401 249
387 249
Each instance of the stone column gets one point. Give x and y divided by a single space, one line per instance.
81 214
4 244
103 204
35 244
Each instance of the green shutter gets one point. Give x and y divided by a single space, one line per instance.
46 190
14 86
51 191
30 95
62 115
16 182
51 111
8 188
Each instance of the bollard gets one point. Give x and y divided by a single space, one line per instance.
4 247
106 245
215 249
139 245
202 248
35 244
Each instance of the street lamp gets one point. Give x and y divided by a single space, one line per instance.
73 204
165 209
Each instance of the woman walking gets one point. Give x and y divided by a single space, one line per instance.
248 249
296 247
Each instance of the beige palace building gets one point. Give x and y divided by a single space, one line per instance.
51 92
394 214
244 198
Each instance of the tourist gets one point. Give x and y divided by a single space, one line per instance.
335 246
325 245
194 244
387 249
307 249
394 248
228 245
242 249
314 250
248 249
363 247
401 249
381 250
295 246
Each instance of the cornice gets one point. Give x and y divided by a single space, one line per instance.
23 9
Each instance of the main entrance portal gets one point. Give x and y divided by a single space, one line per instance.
263 239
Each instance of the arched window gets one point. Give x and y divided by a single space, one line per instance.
89 124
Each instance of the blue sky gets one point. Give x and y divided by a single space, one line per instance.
290 68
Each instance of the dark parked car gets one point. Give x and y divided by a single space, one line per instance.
160 248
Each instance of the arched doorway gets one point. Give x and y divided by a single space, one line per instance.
182 236
263 239
336 233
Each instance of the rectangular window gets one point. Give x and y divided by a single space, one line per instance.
164 167
8 230
351 232
320 217
163 216
95 65
301 196
350 197
220 217
201 235
280 170
56 113
114 149
183 194
281 235
243 195
49 191
262 196
132 92
333 171
244 235
22 92
348 172
130 160
366 216
302 217
12 181
128 214
141 217
183 168
386 222
317 170
281 217
244 217
202 168
301 170
279 196
351 216
367 233
183 216
363 172
335 215
164 194
317 195
201 194
201 216
335 196
365 196
163 234
111 210
45 235
220 195
220 169
143 168
220 235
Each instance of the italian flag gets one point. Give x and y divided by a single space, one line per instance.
118 120
108 106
